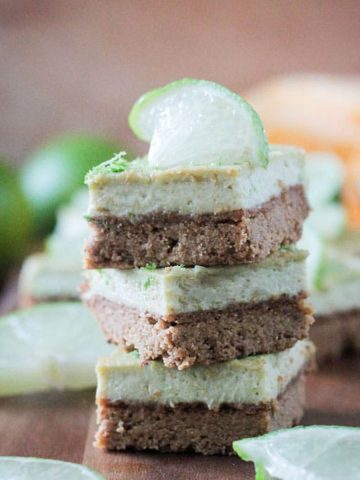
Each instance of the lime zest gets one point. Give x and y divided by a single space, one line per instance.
150 267
117 164
148 282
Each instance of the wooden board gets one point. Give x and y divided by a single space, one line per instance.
61 425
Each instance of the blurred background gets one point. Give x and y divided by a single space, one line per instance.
80 64
75 67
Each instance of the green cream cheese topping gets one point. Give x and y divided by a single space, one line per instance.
251 380
175 289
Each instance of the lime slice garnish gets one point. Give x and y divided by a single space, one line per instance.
49 346
27 468
197 122
304 453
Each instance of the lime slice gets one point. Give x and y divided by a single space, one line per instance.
197 122
49 346
27 468
304 453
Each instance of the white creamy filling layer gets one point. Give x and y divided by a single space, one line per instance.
43 276
340 297
251 380
176 289
195 190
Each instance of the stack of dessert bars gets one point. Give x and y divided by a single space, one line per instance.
193 273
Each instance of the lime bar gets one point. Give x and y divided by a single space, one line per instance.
203 315
154 407
194 215
333 264
55 274
211 191
336 298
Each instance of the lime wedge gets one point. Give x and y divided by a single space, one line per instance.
49 346
197 122
304 453
27 468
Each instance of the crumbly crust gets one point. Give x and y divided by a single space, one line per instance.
30 300
194 427
227 238
205 337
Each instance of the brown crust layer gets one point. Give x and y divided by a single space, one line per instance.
28 300
240 236
205 337
336 333
193 427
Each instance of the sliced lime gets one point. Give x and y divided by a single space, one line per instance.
304 453
198 122
27 468
49 346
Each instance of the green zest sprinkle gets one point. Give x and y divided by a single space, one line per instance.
150 267
116 164
148 282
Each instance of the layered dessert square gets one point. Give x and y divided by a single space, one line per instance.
215 214
55 274
203 314
336 299
334 260
203 409
44 278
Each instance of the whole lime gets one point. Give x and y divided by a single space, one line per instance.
15 219
57 169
